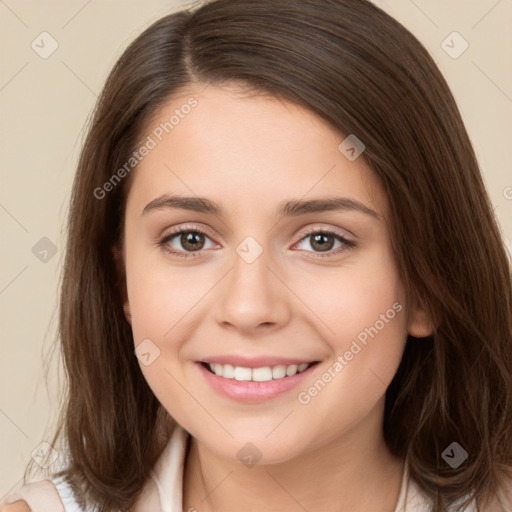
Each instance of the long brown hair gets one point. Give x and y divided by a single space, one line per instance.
359 69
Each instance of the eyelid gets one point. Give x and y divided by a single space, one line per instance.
188 227
328 229
205 230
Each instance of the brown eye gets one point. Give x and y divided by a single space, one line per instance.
192 240
185 242
322 242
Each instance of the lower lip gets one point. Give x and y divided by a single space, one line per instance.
250 391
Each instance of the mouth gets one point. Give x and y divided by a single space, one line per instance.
259 374
254 384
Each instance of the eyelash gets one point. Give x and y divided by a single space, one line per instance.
189 229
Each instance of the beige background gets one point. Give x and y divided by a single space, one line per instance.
45 102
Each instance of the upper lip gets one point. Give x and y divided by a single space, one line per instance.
255 362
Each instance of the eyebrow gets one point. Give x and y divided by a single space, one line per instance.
291 208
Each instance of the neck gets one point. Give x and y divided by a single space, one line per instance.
354 472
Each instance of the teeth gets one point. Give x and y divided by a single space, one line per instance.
278 372
227 371
291 370
240 373
262 374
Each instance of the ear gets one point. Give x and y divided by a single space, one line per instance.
118 256
420 323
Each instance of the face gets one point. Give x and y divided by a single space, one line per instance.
265 288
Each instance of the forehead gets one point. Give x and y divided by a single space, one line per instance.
246 151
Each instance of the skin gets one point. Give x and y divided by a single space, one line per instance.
249 152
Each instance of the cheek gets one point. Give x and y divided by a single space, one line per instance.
161 297
367 321
353 297
161 305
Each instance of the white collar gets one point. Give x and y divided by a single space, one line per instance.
168 471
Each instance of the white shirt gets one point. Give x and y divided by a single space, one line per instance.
163 491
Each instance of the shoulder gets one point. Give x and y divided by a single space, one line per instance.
18 506
39 496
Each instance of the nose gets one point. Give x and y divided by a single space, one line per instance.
253 296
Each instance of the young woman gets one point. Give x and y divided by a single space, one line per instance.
284 286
